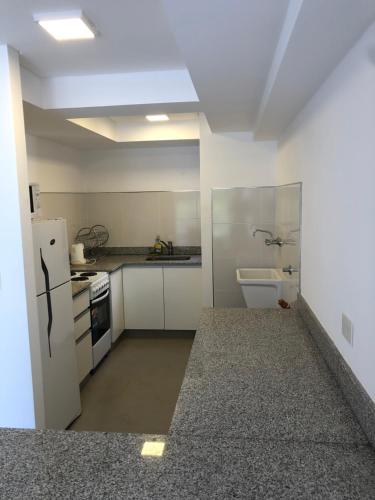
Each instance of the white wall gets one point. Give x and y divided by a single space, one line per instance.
63 169
55 167
64 173
20 364
228 160
331 149
142 169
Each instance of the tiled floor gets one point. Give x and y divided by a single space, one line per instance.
136 387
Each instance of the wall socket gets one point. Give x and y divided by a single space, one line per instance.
347 329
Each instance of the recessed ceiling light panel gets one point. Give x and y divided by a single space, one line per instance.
153 449
66 26
157 118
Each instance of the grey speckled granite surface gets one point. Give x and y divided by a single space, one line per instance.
110 263
178 250
259 417
359 400
258 375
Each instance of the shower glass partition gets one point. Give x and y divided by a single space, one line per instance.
236 214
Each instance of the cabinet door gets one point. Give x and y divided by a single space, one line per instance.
62 402
81 302
117 305
143 298
84 356
182 297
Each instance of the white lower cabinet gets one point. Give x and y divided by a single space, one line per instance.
82 324
117 305
182 297
82 333
143 298
84 356
81 302
157 298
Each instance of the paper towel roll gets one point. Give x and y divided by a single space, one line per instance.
76 255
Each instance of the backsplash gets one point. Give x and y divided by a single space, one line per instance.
132 219
236 214
177 250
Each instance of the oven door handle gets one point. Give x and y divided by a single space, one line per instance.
99 299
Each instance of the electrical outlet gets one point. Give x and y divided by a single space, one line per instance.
347 329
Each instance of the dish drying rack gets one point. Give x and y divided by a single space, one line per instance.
92 237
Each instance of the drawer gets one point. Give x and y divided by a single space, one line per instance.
84 356
82 324
80 303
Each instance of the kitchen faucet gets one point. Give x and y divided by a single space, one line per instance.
290 269
168 246
273 241
262 231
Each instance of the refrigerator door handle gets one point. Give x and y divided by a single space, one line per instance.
49 303
45 271
50 321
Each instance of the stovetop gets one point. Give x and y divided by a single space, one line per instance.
98 281
90 276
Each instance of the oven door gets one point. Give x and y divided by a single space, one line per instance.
100 316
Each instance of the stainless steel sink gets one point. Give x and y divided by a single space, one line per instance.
169 257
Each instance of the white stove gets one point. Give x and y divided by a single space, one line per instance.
98 280
99 310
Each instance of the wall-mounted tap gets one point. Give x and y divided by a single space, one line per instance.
290 269
262 231
270 241
275 241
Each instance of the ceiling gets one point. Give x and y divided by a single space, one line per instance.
228 48
50 125
133 36
112 132
246 64
174 117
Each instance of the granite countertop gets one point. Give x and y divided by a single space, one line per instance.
259 416
110 263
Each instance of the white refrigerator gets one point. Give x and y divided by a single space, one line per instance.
62 402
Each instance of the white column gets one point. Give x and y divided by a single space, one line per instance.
20 368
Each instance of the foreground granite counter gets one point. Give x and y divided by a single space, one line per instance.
259 416
110 263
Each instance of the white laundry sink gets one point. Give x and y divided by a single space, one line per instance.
261 288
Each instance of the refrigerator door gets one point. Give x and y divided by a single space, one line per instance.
51 254
59 364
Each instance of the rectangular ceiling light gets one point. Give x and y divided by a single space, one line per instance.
157 118
68 26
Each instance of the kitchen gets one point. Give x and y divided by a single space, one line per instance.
182 310
123 280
